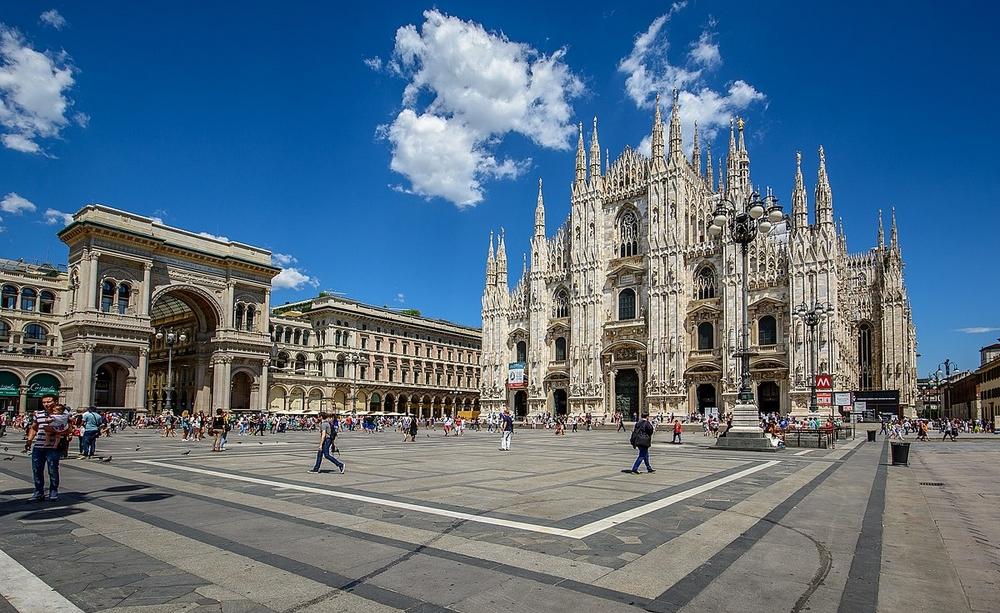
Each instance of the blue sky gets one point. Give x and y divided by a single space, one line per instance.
378 162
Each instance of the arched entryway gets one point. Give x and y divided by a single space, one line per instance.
559 403
768 397
239 399
10 392
179 373
109 385
389 404
627 393
706 397
520 404
277 399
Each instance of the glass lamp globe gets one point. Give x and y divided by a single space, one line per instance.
714 230
159 336
765 227
756 211
720 219
775 215
183 337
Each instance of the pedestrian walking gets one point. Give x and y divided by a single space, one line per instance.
506 430
412 430
90 430
678 429
326 437
43 441
642 439
219 430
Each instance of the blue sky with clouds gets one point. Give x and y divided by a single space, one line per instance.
375 149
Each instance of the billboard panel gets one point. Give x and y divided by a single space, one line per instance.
516 379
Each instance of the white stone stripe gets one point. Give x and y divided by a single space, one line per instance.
576 533
803 452
27 593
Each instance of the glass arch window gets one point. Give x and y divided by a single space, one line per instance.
522 351
251 316
282 361
4 331
29 299
238 318
866 368
340 368
767 330
8 296
560 349
704 284
628 234
107 296
562 303
35 333
706 336
46 302
626 304
300 363
124 295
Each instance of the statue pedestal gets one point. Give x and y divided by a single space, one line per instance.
745 434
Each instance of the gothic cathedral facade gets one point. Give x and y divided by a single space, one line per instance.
633 305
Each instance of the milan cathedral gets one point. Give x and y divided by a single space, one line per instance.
633 305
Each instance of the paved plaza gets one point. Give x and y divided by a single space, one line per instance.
455 525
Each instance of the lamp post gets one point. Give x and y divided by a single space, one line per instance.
170 338
745 219
811 315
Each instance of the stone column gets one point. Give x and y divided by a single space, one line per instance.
141 377
222 383
22 399
228 304
86 375
264 395
147 290
90 280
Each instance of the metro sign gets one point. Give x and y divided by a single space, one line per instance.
824 382
824 399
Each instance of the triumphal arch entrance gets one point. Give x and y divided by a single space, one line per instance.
131 277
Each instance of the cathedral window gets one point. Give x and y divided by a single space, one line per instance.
628 234
522 351
704 284
865 367
562 303
706 336
560 349
767 330
626 304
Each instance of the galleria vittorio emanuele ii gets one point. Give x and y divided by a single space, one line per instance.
634 302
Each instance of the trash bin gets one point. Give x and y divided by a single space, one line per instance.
871 436
900 454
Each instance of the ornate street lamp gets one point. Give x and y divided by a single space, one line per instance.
170 338
811 316
744 220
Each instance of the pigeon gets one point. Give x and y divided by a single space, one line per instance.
239 442
9 458
259 443
5 448
186 452
107 459
138 448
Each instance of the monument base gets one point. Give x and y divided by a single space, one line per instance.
745 433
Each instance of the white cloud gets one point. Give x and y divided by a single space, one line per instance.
224 239
292 278
649 72
978 330
52 217
282 259
467 89
375 63
33 87
52 18
401 298
16 204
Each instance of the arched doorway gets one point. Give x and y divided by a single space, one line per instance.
10 392
239 398
315 401
297 401
520 404
769 397
559 404
181 311
277 399
402 405
109 385
627 393
706 397
388 405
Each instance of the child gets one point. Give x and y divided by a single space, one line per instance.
59 423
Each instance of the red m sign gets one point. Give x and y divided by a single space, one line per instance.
824 382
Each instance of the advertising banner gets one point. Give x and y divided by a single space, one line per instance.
516 379
843 399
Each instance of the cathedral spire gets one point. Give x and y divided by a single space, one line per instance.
881 232
502 263
893 234
824 196
595 154
722 181
656 138
696 152
491 265
843 236
709 177
581 158
731 159
676 148
540 211
800 204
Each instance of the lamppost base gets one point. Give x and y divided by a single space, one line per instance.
745 433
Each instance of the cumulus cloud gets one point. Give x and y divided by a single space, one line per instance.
217 237
53 217
292 278
649 71
467 89
16 204
282 259
978 330
33 93
53 19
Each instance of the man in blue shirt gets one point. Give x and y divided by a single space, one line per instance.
91 426
507 430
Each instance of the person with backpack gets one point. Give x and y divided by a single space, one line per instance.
642 439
